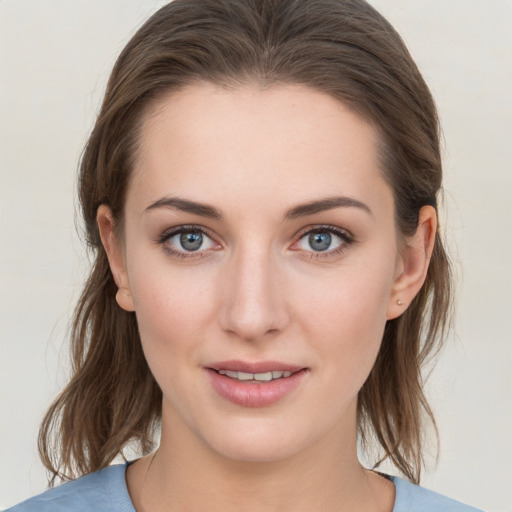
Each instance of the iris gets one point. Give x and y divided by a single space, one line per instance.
320 241
191 241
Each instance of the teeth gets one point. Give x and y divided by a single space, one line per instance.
261 377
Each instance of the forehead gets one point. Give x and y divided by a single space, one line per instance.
254 143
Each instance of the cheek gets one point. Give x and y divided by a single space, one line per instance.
172 311
346 320
352 299
171 305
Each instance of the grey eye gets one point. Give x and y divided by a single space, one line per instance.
320 241
187 240
323 240
191 241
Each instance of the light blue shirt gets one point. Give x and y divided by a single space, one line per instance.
106 491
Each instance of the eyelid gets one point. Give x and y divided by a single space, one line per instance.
343 233
346 237
185 228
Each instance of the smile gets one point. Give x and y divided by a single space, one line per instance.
255 384
256 377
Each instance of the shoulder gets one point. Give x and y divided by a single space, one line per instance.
99 491
412 498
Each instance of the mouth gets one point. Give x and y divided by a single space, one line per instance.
256 377
255 384
262 371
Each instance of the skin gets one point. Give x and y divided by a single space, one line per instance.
257 291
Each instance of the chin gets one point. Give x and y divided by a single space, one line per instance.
256 450
257 442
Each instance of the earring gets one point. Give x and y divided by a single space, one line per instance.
399 302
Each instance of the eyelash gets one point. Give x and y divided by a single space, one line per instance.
167 235
346 237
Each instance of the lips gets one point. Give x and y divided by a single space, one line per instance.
256 367
254 384
258 377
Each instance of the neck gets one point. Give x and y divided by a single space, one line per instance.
185 474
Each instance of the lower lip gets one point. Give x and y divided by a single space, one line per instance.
254 394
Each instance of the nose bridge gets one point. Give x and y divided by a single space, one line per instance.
253 302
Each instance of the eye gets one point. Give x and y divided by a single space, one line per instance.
319 241
187 241
324 241
190 241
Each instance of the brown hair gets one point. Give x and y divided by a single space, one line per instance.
341 47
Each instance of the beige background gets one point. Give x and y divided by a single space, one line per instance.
54 59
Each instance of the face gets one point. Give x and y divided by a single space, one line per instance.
259 243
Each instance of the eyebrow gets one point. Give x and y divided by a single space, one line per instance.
322 205
301 210
185 205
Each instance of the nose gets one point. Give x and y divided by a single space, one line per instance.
253 302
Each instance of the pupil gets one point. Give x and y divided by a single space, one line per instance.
320 241
191 241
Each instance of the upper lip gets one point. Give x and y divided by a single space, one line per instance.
254 367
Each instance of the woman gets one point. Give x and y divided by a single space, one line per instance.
260 193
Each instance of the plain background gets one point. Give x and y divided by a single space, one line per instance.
55 56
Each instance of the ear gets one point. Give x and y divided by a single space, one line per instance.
412 264
115 256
